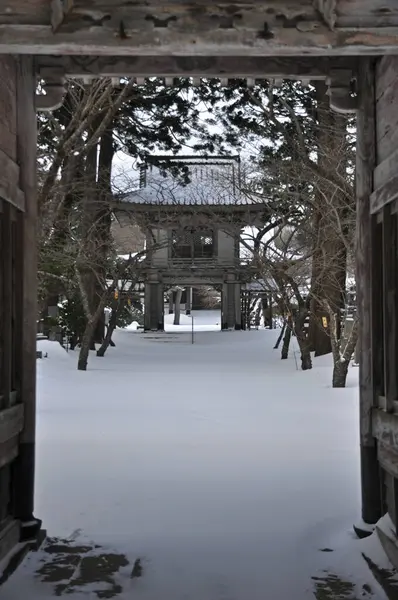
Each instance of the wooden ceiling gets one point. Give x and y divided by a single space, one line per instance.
222 28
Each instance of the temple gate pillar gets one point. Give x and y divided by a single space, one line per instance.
377 285
188 300
18 300
231 317
154 306
171 302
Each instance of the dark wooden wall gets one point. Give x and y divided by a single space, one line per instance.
17 298
377 189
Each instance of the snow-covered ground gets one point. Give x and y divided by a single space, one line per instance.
203 320
228 473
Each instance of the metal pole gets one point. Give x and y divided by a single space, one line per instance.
271 326
193 340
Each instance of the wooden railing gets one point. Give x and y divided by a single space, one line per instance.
204 263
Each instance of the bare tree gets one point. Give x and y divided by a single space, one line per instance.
343 346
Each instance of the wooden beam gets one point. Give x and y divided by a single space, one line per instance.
9 537
385 428
314 39
208 209
304 67
8 451
366 13
26 148
9 182
384 195
327 8
365 163
386 169
388 459
390 325
11 422
6 304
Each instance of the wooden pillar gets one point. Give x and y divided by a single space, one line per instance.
171 302
231 317
188 300
23 480
154 307
6 315
370 476
226 311
238 307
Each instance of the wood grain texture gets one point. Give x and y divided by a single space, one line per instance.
192 40
9 451
366 13
388 458
11 422
8 107
384 195
9 181
390 326
6 305
27 136
364 187
386 108
385 428
386 170
197 66
9 537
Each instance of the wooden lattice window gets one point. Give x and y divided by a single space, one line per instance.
181 244
203 244
193 244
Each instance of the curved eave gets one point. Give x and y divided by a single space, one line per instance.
141 207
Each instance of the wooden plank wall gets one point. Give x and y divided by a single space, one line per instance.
384 211
9 428
16 405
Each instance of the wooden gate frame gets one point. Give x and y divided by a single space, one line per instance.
336 40
18 306
377 287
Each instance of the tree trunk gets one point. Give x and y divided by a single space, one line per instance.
265 311
320 337
96 221
89 240
257 317
286 339
278 341
99 332
177 310
104 219
86 345
303 339
340 370
89 333
73 341
306 360
109 332
330 251
341 358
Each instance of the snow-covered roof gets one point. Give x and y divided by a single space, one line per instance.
212 181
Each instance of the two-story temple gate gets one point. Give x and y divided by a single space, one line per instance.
338 40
